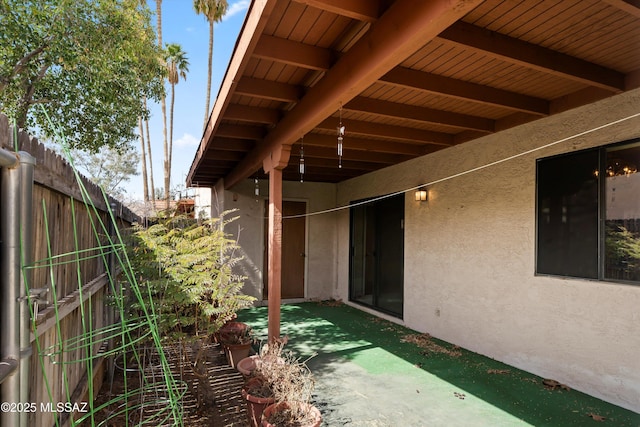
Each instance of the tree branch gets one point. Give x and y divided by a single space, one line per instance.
26 100
22 63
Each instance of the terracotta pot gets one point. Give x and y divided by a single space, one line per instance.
247 365
236 352
269 410
255 404
229 331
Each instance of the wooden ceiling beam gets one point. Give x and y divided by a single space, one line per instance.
403 29
361 10
268 89
351 143
224 155
213 171
331 163
533 56
632 7
632 80
327 171
578 98
326 152
293 53
420 114
245 113
467 91
396 133
231 144
218 166
226 130
291 175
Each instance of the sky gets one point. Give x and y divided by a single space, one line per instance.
180 24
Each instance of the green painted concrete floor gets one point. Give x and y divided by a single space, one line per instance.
367 375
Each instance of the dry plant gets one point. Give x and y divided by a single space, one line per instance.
289 380
203 390
425 341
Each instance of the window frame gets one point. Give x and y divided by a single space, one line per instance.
601 212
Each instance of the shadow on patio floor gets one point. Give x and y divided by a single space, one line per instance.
371 372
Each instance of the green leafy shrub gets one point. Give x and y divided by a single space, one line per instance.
187 268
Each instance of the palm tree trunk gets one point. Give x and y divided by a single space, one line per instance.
163 102
169 154
206 108
152 192
166 165
159 22
143 159
173 98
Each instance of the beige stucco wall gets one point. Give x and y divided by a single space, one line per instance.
470 257
321 233
203 204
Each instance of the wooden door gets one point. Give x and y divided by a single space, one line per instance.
293 250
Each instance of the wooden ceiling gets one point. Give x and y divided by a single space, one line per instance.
411 77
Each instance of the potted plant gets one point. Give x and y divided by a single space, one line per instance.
237 343
288 382
260 374
258 395
247 366
229 328
287 414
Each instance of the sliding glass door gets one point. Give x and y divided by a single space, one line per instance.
377 254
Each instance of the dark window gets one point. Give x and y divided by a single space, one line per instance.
578 192
568 215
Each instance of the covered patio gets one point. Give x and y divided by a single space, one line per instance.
399 156
371 372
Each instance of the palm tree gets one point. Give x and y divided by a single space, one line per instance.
163 104
148 192
159 22
177 66
146 123
214 11
143 160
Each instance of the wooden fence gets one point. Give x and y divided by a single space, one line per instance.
64 228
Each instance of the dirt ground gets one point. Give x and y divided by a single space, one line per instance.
147 405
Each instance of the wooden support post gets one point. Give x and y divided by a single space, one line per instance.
273 165
275 251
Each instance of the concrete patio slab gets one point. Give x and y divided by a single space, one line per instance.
371 372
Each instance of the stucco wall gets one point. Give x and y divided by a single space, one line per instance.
203 205
321 232
470 257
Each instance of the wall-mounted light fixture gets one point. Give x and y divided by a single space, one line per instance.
421 194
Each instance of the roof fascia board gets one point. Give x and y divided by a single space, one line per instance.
255 21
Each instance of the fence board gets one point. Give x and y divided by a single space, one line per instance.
64 376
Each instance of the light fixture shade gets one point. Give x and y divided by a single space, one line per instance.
421 195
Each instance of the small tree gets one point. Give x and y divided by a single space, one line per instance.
188 268
108 167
